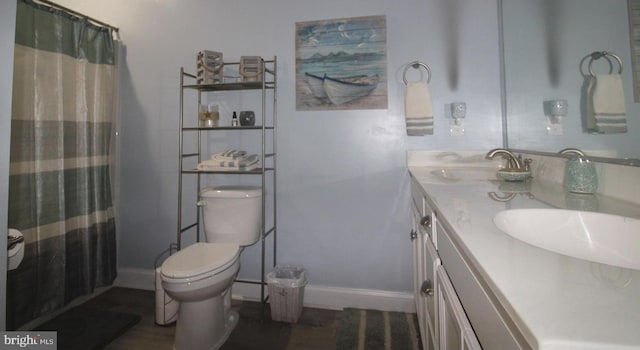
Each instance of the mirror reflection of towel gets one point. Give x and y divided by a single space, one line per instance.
418 109
606 107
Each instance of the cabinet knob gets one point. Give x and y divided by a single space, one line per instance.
427 288
426 221
413 234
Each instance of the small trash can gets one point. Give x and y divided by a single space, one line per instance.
286 292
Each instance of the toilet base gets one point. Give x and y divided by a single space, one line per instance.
205 324
232 322
230 325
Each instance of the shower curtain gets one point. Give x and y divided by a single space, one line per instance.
64 108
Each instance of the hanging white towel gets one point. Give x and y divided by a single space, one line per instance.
606 107
418 109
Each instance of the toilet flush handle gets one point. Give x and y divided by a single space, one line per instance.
201 203
13 241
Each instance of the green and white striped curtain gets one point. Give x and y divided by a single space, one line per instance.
64 108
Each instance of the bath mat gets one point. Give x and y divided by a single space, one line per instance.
88 328
372 330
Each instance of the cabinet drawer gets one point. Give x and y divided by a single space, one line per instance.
492 331
420 203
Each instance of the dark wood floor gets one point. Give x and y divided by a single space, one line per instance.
316 329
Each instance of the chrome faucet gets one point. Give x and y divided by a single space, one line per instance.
513 161
573 151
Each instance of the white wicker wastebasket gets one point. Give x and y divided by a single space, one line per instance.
286 293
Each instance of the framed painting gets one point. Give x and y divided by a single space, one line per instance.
341 64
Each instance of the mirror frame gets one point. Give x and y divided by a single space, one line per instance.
617 161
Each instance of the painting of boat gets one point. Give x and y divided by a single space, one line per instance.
315 85
341 90
341 64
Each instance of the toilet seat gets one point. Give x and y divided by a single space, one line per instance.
199 261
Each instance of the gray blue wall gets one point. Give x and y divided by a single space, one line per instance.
343 198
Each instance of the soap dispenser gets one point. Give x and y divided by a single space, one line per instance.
580 173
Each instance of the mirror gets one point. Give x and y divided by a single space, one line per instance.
547 47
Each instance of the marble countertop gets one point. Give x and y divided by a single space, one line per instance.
557 302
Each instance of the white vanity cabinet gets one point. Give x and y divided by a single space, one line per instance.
456 310
455 329
443 322
425 261
492 329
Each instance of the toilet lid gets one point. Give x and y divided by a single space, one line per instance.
200 258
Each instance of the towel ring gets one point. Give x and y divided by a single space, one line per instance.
416 65
599 54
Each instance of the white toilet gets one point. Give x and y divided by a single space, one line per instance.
200 276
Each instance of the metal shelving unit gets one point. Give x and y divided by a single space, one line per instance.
267 170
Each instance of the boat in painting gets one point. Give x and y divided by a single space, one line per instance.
341 90
315 85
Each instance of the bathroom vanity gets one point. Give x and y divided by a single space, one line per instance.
479 288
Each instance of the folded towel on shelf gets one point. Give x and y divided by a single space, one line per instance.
206 167
244 163
418 109
229 155
238 162
606 107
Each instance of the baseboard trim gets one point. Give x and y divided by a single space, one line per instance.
323 297
136 278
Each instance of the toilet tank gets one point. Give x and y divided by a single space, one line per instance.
232 214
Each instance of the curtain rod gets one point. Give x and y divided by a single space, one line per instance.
76 13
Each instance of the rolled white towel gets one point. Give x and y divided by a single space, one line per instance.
242 164
229 155
240 161
204 167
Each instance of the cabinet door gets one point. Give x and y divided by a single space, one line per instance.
455 331
429 291
417 239
425 260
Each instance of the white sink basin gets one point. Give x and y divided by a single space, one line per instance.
602 238
466 174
